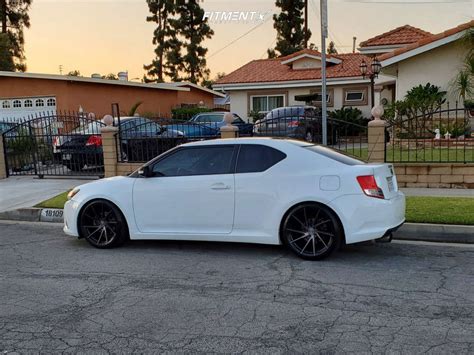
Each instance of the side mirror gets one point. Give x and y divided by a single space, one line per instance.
145 171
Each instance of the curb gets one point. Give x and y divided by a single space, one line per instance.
426 232
53 215
443 233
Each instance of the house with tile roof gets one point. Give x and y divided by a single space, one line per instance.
436 59
264 84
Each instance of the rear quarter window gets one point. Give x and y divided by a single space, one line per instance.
255 158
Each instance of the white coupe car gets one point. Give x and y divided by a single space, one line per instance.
252 190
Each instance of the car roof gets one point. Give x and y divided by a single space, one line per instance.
270 141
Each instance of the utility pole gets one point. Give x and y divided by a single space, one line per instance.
324 34
305 24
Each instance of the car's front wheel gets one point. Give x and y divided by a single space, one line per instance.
311 231
102 224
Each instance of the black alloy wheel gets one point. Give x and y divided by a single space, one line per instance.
311 231
102 224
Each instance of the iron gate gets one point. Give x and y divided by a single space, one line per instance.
54 144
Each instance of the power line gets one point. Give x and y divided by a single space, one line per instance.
235 40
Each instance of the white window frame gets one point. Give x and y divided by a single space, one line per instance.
267 97
51 100
29 101
362 92
38 100
17 104
328 97
6 104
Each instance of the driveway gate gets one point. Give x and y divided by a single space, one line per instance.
56 144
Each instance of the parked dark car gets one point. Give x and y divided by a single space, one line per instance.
83 146
208 124
299 122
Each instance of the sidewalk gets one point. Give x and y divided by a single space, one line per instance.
26 191
438 192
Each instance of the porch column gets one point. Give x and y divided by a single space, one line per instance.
3 165
109 147
376 136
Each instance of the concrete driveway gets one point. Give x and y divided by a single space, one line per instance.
27 191
60 295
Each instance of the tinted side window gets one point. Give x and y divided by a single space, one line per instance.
196 161
254 158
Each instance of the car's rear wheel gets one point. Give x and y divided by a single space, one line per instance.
312 231
102 224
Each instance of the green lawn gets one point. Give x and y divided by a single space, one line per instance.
438 210
420 155
54 202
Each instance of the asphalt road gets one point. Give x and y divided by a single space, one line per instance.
57 294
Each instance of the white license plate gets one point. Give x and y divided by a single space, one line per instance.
390 184
66 156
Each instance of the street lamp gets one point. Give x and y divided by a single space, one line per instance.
375 67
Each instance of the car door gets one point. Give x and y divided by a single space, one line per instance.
191 192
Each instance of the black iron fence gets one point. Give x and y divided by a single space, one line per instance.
443 135
53 143
141 139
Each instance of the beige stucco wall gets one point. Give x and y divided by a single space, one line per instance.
239 102
306 63
438 66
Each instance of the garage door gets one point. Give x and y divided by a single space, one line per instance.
18 108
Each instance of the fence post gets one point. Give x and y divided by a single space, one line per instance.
109 146
3 163
376 136
229 131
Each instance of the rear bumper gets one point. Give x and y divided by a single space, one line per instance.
366 218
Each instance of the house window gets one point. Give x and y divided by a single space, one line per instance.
16 103
39 103
6 104
51 102
355 96
28 103
265 103
319 96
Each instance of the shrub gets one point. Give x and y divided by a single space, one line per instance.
356 122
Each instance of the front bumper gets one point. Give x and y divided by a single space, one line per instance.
71 212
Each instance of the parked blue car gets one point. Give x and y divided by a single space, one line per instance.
208 124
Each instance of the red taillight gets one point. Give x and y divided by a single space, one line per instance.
293 124
369 186
95 141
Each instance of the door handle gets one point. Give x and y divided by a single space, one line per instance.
220 186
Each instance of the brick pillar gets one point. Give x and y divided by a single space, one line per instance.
229 131
3 165
109 146
376 137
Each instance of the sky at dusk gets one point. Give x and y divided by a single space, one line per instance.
108 36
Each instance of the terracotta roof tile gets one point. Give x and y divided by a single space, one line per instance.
270 70
428 40
400 35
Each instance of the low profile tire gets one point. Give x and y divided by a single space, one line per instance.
103 225
311 231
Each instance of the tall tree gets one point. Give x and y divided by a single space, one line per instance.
332 48
164 38
14 17
289 24
192 30
6 56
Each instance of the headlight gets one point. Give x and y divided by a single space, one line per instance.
72 193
